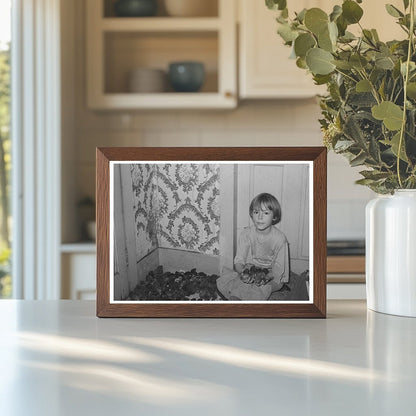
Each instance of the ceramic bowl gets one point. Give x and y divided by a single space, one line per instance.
186 76
147 80
135 8
191 8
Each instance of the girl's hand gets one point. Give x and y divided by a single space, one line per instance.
239 267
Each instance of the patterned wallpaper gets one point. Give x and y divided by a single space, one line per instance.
176 206
145 207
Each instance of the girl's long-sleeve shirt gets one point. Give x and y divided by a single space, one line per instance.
270 251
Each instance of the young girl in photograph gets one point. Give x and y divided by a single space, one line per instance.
262 260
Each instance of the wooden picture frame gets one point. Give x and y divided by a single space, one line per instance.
187 210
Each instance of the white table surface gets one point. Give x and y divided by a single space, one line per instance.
57 358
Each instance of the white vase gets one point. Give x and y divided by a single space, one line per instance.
391 253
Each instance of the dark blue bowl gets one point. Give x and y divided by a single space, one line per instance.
135 8
186 76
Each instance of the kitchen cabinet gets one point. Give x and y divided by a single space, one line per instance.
118 45
265 67
78 263
265 70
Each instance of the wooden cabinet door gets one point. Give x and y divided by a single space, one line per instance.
265 69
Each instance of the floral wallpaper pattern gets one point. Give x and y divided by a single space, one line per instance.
144 207
176 206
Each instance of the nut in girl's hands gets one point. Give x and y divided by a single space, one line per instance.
255 275
245 276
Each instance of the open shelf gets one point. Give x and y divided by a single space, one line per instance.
127 51
118 45
160 24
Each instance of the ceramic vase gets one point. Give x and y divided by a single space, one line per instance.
391 253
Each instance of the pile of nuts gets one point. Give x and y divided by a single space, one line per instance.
256 275
180 285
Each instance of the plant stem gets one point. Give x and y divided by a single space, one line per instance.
346 75
373 88
405 81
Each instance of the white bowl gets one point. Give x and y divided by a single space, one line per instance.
191 8
147 80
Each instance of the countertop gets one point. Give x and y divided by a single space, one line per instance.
57 358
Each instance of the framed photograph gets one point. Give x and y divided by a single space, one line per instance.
211 232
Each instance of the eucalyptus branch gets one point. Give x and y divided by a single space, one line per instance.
346 75
371 64
404 28
405 81
398 95
392 91
373 88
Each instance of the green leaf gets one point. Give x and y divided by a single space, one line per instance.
391 114
301 15
276 4
342 25
351 11
325 42
362 99
343 145
368 36
365 182
358 61
412 67
374 174
406 4
374 150
301 63
375 35
363 86
384 62
336 12
345 65
319 61
303 43
287 33
353 131
347 37
282 20
393 11
411 123
394 145
382 89
316 20
358 160
377 75
411 90
333 32
396 70
321 79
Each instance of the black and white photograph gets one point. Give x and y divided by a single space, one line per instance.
194 231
